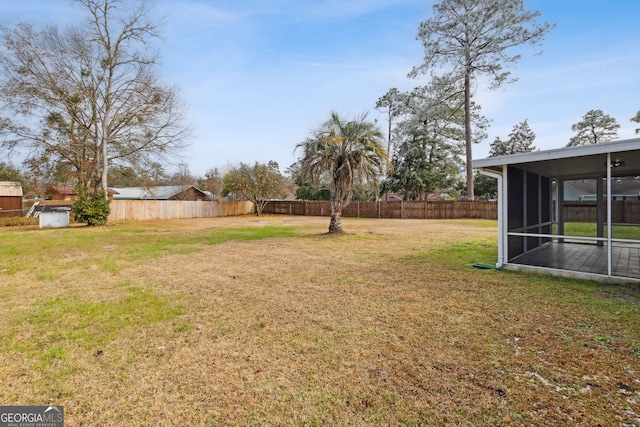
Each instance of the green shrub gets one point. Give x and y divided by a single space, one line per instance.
91 208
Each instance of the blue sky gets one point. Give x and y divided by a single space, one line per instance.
256 76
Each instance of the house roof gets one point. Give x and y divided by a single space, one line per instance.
12 189
574 162
67 190
61 189
149 193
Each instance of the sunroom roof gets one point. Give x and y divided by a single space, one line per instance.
574 162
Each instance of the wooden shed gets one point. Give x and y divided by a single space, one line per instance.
10 199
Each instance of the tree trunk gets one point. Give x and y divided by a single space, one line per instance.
335 225
105 170
386 167
467 134
340 189
259 206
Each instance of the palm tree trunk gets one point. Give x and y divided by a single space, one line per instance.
339 199
335 225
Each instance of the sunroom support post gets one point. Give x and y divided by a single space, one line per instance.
609 216
600 210
560 208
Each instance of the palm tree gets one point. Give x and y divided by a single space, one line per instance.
346 150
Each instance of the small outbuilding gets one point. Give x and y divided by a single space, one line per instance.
539 230
65 193
61 192
10 199
55 217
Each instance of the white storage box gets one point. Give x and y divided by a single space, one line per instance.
55 218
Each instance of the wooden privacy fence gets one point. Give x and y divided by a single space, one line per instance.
137 210
411 210
623 211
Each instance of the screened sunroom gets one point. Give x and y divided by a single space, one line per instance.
572 211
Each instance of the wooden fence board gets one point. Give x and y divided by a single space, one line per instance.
623 211
417 210
140 210
136 210
627 211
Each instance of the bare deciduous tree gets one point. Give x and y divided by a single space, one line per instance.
88 95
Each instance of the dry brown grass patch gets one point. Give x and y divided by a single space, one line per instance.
385 325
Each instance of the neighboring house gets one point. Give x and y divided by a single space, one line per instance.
61 192
170 192
431 197
585 189
390 197
64 193
10 198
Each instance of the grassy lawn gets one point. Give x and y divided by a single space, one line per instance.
267 321
589 229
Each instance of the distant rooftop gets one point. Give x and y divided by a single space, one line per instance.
148 193
8 188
